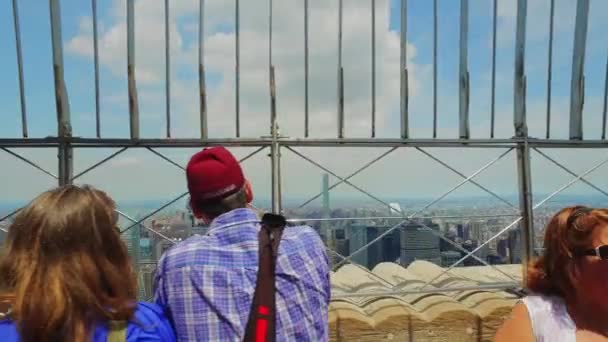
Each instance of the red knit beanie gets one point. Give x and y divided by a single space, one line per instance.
214 173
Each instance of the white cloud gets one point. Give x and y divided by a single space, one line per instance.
288 51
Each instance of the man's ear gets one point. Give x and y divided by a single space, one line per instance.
197 214
248 192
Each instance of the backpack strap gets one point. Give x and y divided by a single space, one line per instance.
117 331
262 317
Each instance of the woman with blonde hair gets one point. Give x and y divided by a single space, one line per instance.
569 283
66 274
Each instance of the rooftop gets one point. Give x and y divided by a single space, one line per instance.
461 315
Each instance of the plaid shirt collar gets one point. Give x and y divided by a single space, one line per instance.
234 219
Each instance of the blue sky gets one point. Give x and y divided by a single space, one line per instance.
288 59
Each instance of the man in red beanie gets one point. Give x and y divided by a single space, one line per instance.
207 282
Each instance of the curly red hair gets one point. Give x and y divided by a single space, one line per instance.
569 233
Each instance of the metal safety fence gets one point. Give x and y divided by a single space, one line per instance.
521 144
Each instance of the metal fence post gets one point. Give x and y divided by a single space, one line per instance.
521 131
525 203
64 127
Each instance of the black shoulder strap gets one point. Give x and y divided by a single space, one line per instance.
262 317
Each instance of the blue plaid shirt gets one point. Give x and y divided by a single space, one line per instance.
207 282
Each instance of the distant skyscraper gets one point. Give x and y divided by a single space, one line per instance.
476 230
131 238
417 243
341 243
384 250
325 226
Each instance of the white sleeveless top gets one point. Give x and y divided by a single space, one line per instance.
550 319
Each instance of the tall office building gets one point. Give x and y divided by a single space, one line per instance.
476 230
341 243
325 226
131 238
418 243
387 249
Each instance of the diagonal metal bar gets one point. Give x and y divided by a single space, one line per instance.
10 214
180 196
167 159
429 204
562 188
342 257
561 166
445 271
442 237
156 211
428 154
4 230
335 175
106 159
460 248
29 162
372 162
252 154
143 225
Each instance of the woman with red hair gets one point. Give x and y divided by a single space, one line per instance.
569 283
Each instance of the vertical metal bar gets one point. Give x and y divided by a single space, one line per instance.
403 95
201 70
271 71
167 69
20 69
493 87
61 96
521 129
275 149
133 103
525 202
237 76
96 62
373 68
340 74
550 68
464 71
64 128
577 89
435 29
306 71
605 111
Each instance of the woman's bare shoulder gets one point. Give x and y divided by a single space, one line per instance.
517 327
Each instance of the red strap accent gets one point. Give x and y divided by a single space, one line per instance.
264 310
261 330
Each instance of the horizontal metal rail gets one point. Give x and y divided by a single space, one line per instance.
329 142
398 218
489 287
